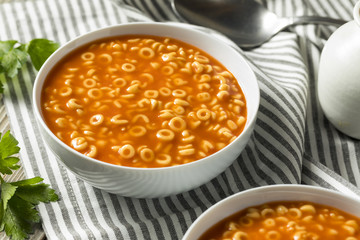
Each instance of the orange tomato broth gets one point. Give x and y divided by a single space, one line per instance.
118 110
283 222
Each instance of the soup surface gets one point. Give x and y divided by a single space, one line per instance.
288 221
143 101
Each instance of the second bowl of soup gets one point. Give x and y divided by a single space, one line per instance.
282 211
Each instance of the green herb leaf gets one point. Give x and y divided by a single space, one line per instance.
30 181
39 50
19 199
6 46
8 147
7 192
33 192
13 55
19 218
12 61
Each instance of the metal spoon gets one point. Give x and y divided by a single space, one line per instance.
246 22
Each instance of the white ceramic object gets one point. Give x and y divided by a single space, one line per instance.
261 195
339 77
153 182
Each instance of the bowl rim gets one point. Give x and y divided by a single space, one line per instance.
180 26
284 188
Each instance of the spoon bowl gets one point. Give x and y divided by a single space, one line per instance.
248 23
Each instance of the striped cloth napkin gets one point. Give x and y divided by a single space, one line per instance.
292 142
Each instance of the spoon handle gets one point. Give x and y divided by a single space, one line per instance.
315 20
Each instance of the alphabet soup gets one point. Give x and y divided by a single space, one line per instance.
286 220
143 101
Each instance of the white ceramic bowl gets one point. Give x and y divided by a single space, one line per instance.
261 195
153 182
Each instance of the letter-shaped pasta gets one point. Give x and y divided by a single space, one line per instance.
151 93
133 88
205 78
61 122
284 219
65 91
333 232
178 109
351 230
127 151
137 131
241 120
267 213
204 86
172 47
197 67
165 135
179 82
147 155
89 83
269 222
203 97
167 57
116 119
87 56
163 159
308 209
254 215
90 72
140 118
97 119
295 213
188 139
119 82
201 58
73 104
74 134
141 103
167 113
146 53
179 93
239 235
148 77
92 152
128 67
79 143
231 124
351 238
223 95
164 91
105 58
226 74
239 102
353 224
281 210
167 70
203 114
181 102
246 221
95 93
187 152
274 235
224 87
177 124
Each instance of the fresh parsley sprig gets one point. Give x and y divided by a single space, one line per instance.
19 199
13 55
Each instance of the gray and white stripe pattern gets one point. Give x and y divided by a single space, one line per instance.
292 141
